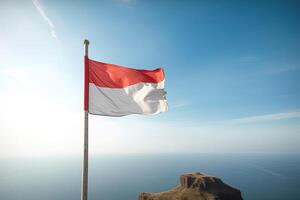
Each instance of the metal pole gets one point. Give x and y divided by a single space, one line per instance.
84 189
84 183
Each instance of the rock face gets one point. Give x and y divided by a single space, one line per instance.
196 186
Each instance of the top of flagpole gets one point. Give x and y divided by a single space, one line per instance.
86 47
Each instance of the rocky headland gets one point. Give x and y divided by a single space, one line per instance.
196 186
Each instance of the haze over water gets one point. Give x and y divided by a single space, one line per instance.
123 177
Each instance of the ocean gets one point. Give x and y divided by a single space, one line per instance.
123 177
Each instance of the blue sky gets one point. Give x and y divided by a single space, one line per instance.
232 67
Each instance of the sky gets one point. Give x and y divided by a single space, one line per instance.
232 75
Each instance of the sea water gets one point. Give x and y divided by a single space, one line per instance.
123 177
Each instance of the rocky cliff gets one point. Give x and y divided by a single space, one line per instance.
196 186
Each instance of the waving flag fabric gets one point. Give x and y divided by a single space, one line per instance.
117 91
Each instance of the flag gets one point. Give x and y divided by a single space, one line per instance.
113 90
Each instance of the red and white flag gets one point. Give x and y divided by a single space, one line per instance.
113 90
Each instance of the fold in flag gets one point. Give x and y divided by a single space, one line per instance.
117 91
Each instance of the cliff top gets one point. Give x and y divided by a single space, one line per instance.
196 186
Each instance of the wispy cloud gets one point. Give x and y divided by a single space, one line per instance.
278 70
124 1
42 12
179 105
269 117
249 59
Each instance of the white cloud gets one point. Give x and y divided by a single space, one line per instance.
45 17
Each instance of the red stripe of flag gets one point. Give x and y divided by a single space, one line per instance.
115 76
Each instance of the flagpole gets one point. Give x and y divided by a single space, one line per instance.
84 183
